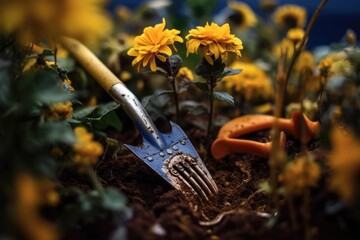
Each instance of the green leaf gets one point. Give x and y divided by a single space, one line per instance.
108 120
43 86
148 99
113 200
225 97
83 112
229 72
54 132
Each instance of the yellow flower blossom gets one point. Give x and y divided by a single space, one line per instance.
30 195
215 42
243 16
268 5
299 174
306 61
344 161
60 111
153 44
285 44
295 34
87 151
186 73
252 82
35 20
325 64
290 16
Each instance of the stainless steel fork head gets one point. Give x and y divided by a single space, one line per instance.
179 164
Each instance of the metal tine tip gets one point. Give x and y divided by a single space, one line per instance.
193 176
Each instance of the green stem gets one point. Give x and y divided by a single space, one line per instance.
94 179
299 49
211 110
176 97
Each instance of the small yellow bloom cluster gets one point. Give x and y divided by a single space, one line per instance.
299 174
153 44
344 161
215 42
31 194
87 151
60 111
243 16
252 82
290 16
295 34
185 73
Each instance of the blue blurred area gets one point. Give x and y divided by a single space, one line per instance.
336 17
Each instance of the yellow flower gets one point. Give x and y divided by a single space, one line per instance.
87 151
295 34
60 111
344 161
325 64
290 16
35 20
306 61
186 73
243 16
215 42
252 82
301 173
153 44
268 5
31 194
280 47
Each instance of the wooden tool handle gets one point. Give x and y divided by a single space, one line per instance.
91 63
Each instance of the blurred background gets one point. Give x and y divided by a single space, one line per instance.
331 26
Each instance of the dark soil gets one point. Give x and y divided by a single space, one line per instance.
239 211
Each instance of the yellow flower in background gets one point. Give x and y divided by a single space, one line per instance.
153 44
283 45
36 20
344 161
306 61
243 16
299 174
290 16
268 5
325 64
295 34
87 151
252 82
85 20
185 73
214 41
30 195
60 111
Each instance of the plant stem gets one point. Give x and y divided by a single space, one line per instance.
94 179
176 97
211 110
275 136
299 49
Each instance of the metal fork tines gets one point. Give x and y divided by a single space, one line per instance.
193 174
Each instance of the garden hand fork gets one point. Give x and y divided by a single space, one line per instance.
170 155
